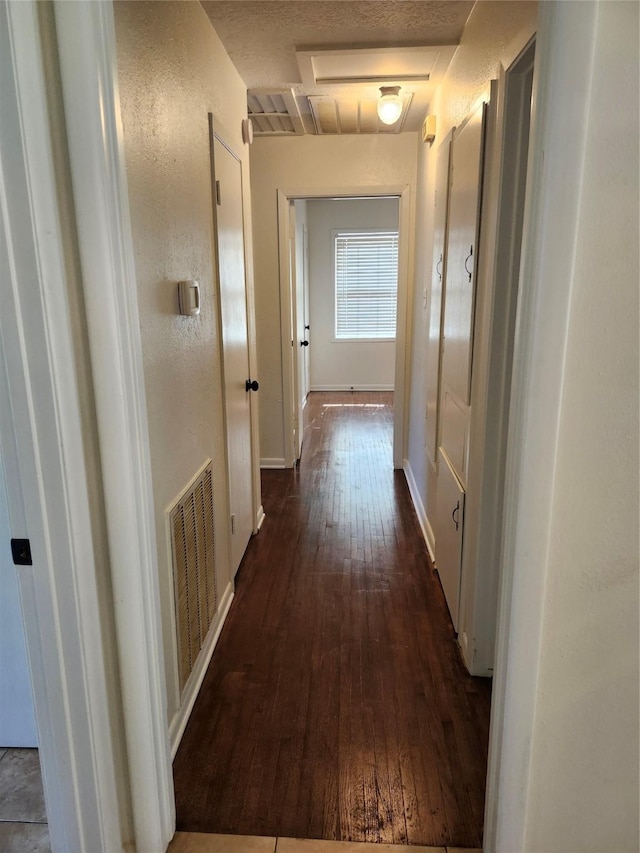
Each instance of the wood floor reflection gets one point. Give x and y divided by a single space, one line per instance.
336 705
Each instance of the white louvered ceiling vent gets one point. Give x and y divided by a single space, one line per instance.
350 115
274 112
193 547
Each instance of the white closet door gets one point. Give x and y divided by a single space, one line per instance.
434 343
450 520
233 309
464 206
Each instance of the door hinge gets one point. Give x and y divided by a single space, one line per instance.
218 195
21 552
233 522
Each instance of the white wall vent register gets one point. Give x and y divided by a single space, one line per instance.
193 550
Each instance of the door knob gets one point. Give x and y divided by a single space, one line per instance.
251 386
304 343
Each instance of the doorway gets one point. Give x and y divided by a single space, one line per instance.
343 263
293 314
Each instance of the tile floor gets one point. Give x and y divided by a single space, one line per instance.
198 842
23 819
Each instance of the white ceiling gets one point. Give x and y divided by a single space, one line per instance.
262 37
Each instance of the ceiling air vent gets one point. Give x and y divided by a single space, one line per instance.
274 112
352 115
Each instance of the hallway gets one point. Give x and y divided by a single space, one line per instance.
336 705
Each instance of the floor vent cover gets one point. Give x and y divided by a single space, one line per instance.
193 546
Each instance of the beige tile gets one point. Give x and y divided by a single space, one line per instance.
24 838
310 845
203 842
21 795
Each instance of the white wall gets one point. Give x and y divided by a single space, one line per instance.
489 35
314 163
583 793
362 365
173 70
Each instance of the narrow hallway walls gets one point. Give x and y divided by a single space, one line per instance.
173 71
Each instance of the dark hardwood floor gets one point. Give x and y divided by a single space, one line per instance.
336 704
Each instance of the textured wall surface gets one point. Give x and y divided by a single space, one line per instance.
492 27
173 70
362 364
584 789
489 34
262 37
313 163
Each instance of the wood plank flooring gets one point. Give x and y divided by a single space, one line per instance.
336 705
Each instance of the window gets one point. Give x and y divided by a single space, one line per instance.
366 284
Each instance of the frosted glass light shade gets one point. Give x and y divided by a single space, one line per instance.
389 105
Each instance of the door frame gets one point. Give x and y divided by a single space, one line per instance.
105 758
551 218
65 595
403 332
500 251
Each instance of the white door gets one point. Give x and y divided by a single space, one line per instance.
450 519
461 261
233 316
17 718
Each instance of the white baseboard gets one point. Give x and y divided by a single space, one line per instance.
192 687
351 388
425 526
275 462
260 518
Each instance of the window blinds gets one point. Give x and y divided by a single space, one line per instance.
366 284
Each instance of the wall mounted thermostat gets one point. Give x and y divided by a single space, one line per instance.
189 298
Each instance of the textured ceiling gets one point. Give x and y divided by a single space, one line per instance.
261 37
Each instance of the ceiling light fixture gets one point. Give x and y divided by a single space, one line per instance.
390 104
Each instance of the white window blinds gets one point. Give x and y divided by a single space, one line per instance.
366 284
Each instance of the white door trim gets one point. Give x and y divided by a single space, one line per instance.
88 62
403 339
550 224
75 699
